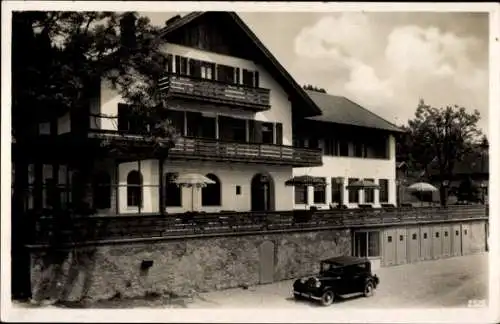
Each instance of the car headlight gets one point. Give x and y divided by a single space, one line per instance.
302 280
318 284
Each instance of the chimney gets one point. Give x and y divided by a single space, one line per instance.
128 30
173 19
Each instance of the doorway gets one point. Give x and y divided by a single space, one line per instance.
262 193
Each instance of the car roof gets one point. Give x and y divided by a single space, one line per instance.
343 261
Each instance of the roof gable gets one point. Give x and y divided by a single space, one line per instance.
262 55
340 110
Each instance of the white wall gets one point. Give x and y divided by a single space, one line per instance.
230 176
351 167
280 110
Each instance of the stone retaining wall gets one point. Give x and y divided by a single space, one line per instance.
180 267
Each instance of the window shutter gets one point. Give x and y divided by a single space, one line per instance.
279 133
225 131
251 130
177 64
237 76
123 117
168 66
256 79
258 131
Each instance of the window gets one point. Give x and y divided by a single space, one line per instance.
226 74
267 133
338 190
102 191
384 190
367 244
238 190
301 194
127 121
250 78
211 194
207 71
465 232
358 149
401 237
331 147
173 193
370 193
177 118
437 234
445 233
343 148
457 233
193 122
134 189
414 236
207 127
425 236
353 193
389 239
319 194
181 64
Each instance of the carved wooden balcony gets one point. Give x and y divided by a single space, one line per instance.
187 87
211 149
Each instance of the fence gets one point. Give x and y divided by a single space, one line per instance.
64 229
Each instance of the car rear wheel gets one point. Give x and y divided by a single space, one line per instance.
368 291
327 298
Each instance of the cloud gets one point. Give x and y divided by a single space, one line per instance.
389 69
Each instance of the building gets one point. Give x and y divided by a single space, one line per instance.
244 123
249 127
356 145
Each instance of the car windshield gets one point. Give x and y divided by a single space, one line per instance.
328 267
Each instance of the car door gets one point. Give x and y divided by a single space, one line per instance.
338 281
358 277
349 280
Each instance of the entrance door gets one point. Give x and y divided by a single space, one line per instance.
413 239
389 247
266 253
261 194
401 246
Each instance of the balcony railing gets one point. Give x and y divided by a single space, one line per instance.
256 99
95 229
198 148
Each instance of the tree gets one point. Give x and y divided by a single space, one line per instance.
58 58
441 136
468 191
314 88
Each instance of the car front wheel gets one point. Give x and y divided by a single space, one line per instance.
327 298
368 292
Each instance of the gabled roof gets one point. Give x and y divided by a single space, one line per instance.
286 78
341 110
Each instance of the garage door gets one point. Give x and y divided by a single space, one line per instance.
477 238
445 233
389 247
425 243
413 243
456 240
437 242
466 245
266 251
401 246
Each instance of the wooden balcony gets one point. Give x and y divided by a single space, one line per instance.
46 231
255 99
208 149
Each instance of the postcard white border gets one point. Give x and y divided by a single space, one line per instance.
448 315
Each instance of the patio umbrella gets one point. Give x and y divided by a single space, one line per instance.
422 187
192 180
306 181
362 185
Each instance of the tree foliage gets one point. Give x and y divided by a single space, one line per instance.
441 136
314 88
60 58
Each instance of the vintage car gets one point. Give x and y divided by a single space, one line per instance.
338 276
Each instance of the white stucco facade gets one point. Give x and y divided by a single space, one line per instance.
352 167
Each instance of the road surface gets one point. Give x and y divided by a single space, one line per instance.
442 283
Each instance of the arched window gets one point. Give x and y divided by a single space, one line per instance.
211 194
134 189
173 193
102 191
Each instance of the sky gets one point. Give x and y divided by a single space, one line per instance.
384 61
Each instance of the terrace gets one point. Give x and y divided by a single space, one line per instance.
91 230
